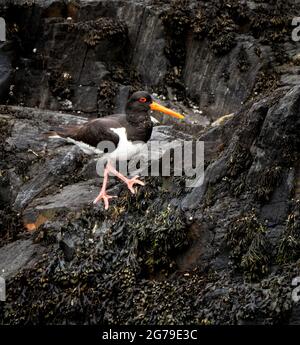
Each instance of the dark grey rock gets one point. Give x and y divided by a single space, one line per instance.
122 98
204 76
86 99
70 198
66 244
275 211
47 175
18 255
5 72
152 255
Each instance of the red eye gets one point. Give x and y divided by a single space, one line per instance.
143 100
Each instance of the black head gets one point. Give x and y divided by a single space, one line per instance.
139 102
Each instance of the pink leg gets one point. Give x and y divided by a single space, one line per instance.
102 194
129 182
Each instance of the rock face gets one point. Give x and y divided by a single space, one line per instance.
78 54
207 79
5 71
225 252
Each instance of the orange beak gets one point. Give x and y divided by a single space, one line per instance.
158 107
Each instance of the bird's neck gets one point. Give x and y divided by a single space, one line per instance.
138 118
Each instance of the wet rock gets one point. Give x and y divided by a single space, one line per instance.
48 175
230 247
18 255
205 80
148 53
275 211
5 71
86 98
140 39
66 244
72 197
122 98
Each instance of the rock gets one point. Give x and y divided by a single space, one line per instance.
122 98
18 255
229 247
70 198
5 71
148 54
86 99
204 76
275 211
67 246
47 175
132 35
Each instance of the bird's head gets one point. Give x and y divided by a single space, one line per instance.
142 101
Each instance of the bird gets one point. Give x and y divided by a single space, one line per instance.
126 131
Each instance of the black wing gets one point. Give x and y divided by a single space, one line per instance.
96 130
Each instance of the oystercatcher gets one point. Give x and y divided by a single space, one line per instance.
126 131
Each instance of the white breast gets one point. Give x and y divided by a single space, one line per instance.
154 121
125 149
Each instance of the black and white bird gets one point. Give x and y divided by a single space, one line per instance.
126 131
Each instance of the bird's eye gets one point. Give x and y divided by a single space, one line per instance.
143 100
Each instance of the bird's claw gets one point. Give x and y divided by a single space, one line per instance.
105 198
133 181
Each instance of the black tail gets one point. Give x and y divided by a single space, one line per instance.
63 133
51 134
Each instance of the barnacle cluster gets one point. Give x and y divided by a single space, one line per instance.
107 91
176 21
220 22
224 42
267 80
60 84
94 31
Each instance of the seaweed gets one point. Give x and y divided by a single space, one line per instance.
289 244
268 180
249 252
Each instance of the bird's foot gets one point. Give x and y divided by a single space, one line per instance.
132 181
105 197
